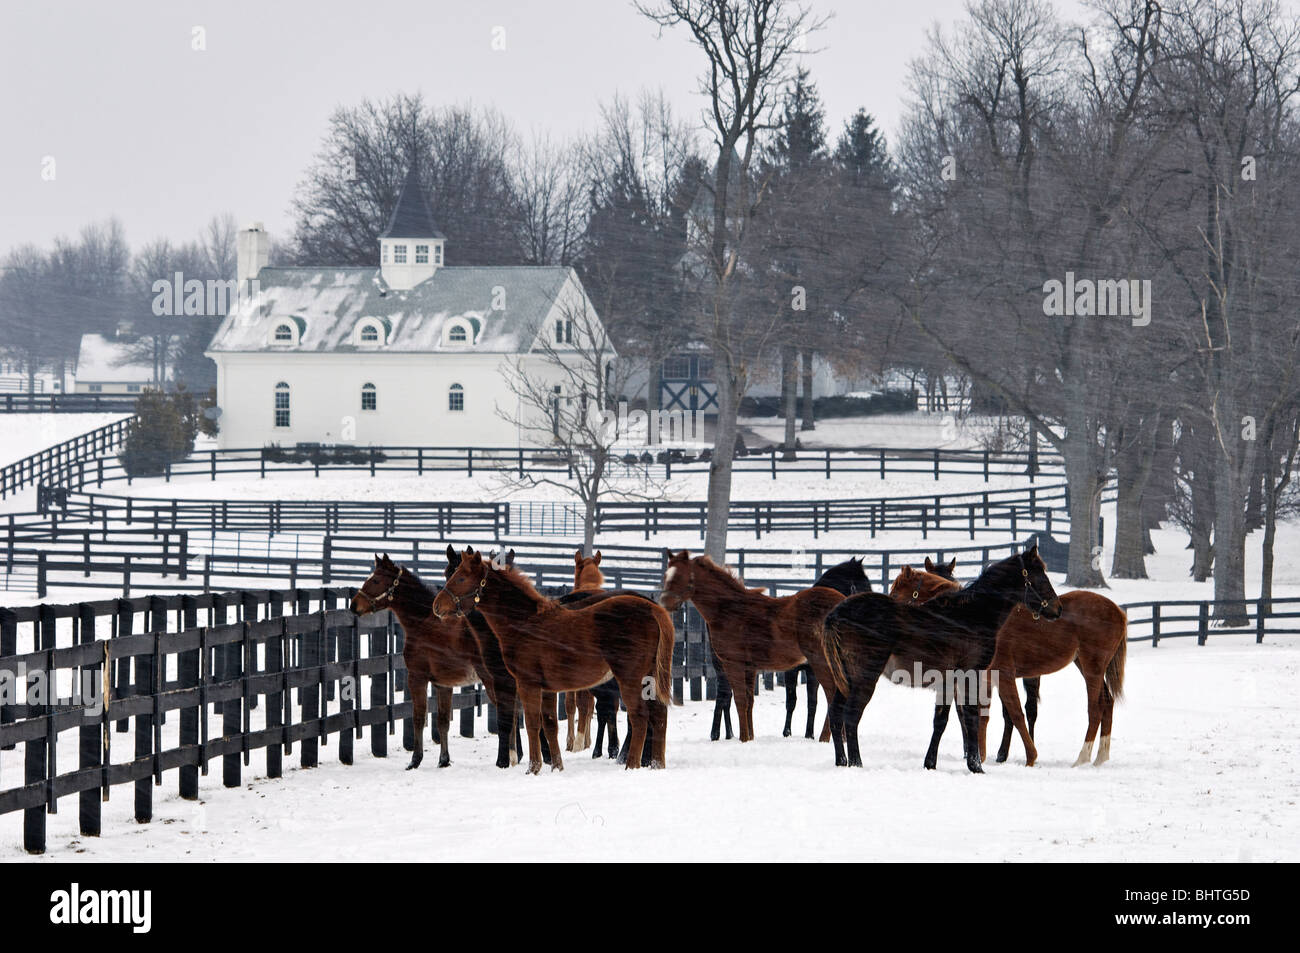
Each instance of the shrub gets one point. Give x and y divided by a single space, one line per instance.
162 433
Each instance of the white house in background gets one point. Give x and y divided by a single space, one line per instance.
105 366
408 352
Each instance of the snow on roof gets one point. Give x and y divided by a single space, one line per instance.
330 301
102 360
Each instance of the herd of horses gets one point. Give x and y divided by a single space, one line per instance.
607 649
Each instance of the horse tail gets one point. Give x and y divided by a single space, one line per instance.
664 657
831 641
1115 669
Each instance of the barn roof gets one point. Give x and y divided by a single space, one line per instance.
330 301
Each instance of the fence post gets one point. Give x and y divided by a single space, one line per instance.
187 671
1259 621
1202 623
349 642
8 646
378 693
40 576
326 547
35 763
1155 625
144 679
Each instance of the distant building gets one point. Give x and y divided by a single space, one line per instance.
106 366
408 351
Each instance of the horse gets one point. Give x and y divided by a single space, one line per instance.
551 648
748 629
954 634
849 578
510 747
1092 632
579 706
441 651
588 587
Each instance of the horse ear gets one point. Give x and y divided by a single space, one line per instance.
475 559
377 559
929 566
597 557
668 553
577 557
387 561
469 550
952 565
510 558
684 555
451 553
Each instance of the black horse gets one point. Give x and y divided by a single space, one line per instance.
952 636
847 577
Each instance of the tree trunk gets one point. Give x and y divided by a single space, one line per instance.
1079 451
1229 541
1270 534
789 398
806 356
724 448
1133 468
1033 448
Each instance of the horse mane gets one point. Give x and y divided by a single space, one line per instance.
525 585
728 576
984 584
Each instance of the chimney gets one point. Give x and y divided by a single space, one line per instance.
253 250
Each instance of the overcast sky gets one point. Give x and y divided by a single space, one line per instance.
143 126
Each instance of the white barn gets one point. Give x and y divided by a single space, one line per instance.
411 352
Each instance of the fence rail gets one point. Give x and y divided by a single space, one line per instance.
48 466
828 463
1190 618
60 403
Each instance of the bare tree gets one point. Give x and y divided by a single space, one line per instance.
567 402
749 48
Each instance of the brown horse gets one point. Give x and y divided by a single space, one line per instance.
580 706
552 648
441 651
749 630
1091 631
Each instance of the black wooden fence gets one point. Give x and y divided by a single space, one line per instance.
58 403
234 673
51 465
77 473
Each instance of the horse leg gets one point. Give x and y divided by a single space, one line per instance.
530 697
1107 712
586 708
836 718
859 695
941 709
637 719
1004 749
418 684
444 723
570 713
968 714
747 716
1095 684
791 680
659 727
811 694
507 728
551 729
1031 701
1011 705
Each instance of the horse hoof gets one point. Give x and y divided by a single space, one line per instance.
1001 757
535 768
557 767
786 733
841 762
975 767
443 762
413 765
930 764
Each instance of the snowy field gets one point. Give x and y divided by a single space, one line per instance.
21 435
1202 769
947 431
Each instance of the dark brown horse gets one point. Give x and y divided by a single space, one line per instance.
553 648
952 637
438 651
749 630
1092 632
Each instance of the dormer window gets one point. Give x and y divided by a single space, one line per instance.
283 334
399 254
456 335
370 332
421 254
460 333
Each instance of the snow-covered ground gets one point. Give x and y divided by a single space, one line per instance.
948 431
1202 769
21 435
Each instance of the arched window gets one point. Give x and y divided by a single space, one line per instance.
368 397
457 334
456 398
370 334
283 334
282 404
